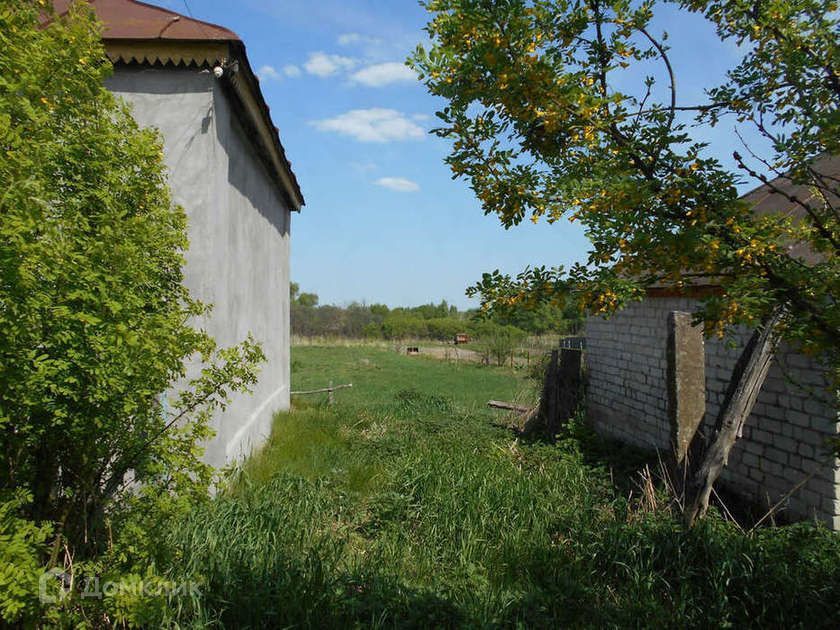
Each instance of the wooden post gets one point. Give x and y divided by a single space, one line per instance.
550 395
331 395
747 378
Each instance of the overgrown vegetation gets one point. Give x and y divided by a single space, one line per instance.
93 330
409 507
403 505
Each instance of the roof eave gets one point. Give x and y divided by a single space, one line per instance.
246 86
241 83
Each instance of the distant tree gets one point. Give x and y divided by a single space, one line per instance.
356 319
546 123
404 325
538 319
379 311
445 328
307 300
496 340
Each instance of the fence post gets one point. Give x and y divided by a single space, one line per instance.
330 395
550 396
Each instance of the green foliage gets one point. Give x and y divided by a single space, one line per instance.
22 544
416 511
497 341
439 322
559 109
445 328
94 319
402 325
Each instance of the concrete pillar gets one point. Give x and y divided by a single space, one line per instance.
686 382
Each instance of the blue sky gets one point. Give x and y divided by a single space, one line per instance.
384 221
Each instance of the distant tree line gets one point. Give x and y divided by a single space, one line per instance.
430 321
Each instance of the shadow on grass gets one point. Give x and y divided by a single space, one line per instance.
624 462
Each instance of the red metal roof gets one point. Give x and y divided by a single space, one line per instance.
130 19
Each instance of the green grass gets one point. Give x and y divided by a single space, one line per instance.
379 374
406 506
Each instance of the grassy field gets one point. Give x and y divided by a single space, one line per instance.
406 505
379 374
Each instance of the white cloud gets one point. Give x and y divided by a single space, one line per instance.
399 184
323 65
384 73
348 39
364 167
291 71
372 125
268 73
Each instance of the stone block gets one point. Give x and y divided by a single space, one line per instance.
748 460
762 437
785 444
754 447
776 455
797 417
816 407
773 426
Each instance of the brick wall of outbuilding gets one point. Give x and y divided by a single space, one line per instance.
783 439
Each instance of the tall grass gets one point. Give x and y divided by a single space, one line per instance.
419 512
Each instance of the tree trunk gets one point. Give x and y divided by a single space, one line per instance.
747 378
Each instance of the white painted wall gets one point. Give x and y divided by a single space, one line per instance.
239 230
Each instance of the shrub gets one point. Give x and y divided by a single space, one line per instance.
22 544
497 341
94 319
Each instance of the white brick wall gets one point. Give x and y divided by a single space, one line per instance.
783 439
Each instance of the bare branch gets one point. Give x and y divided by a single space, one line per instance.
664 55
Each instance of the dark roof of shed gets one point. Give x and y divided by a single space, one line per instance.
135 21
775 198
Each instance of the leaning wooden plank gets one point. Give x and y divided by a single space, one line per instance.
498 404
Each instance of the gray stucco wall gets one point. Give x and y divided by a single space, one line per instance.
239 235
783 439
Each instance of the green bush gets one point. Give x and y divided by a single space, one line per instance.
94 319
497 341
22 545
